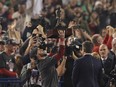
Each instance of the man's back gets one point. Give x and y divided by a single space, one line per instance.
48 72
86 72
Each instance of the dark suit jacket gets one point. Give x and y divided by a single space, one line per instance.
109 63
87 72
108 66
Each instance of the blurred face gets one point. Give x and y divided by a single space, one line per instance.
69 41
11 10
33 64
61 33
73 2
78 33
103 51
62 14
48 1
100 40
9 48
94 15
32 60
15 48
104 32
40 53
35 31
1 47
21 8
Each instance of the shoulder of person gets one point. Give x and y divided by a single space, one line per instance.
111 55
24 68
79 59
2 54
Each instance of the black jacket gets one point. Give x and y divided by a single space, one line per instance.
108 67
87 72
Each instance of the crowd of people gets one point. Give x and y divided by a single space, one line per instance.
58 43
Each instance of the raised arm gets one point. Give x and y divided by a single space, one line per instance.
108 38
61 44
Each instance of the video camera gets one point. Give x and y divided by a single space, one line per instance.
75 46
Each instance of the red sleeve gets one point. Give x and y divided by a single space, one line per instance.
96 49
106 39
60 53
109 42
5 72
51 54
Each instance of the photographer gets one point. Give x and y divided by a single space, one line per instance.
29 74
33 41
72 52
46 64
